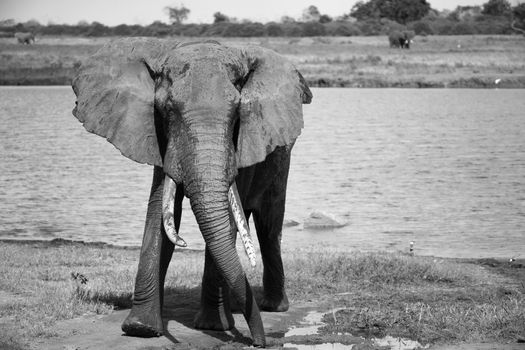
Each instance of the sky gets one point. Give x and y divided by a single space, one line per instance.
143 12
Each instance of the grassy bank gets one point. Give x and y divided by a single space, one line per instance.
433 61
422 298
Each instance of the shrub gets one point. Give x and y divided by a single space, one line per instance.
387 26
442 26
493 25
312 29
193 29
274 29
252 29
97 29
370 27
341 29
421 28
154 29
216 29
292 29
463 28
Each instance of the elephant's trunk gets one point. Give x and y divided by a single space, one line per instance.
213 216
206 176
172 200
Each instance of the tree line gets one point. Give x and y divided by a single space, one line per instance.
372 17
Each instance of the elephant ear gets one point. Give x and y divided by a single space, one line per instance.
271 105
115 97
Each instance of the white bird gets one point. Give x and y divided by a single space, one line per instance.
497 81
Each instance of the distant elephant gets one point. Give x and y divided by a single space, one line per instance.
401 39
25 38
210 118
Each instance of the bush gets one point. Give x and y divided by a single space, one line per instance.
193 29
493 25
442 26
387 26
313 29
370 27
292 29
122 30
252 29
421 27
463 28
341 29
97 29
274 29
216 29
430 24
154 29
240 29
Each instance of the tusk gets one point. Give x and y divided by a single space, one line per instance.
240 221
168 207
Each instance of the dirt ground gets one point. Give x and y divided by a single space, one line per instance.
103 332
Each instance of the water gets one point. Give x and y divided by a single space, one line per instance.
443 168
312 322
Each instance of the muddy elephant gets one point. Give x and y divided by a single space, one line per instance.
218 124
25 38
401 39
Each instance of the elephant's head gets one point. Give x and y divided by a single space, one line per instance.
198 110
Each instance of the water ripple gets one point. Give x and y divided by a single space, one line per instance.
442 168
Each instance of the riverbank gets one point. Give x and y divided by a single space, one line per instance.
48 286
474 61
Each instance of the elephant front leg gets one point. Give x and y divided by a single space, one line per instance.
145 317
268 223
215 312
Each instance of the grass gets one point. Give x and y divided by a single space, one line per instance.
422 298
433 61
45 283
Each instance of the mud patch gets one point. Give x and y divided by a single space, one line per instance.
103 332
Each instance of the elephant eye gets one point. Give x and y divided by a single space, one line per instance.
239 83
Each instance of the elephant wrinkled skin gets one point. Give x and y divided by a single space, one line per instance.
207 116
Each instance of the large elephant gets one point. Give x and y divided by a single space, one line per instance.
211 119
25 38
401 39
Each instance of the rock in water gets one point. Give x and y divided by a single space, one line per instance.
290 223
320 220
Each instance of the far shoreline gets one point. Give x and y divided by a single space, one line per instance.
25 79
434 61
57 242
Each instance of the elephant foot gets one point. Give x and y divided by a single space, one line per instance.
216 319
259 343
145 326
274 305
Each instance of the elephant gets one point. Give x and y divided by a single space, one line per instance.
25 38
401 39
218 124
